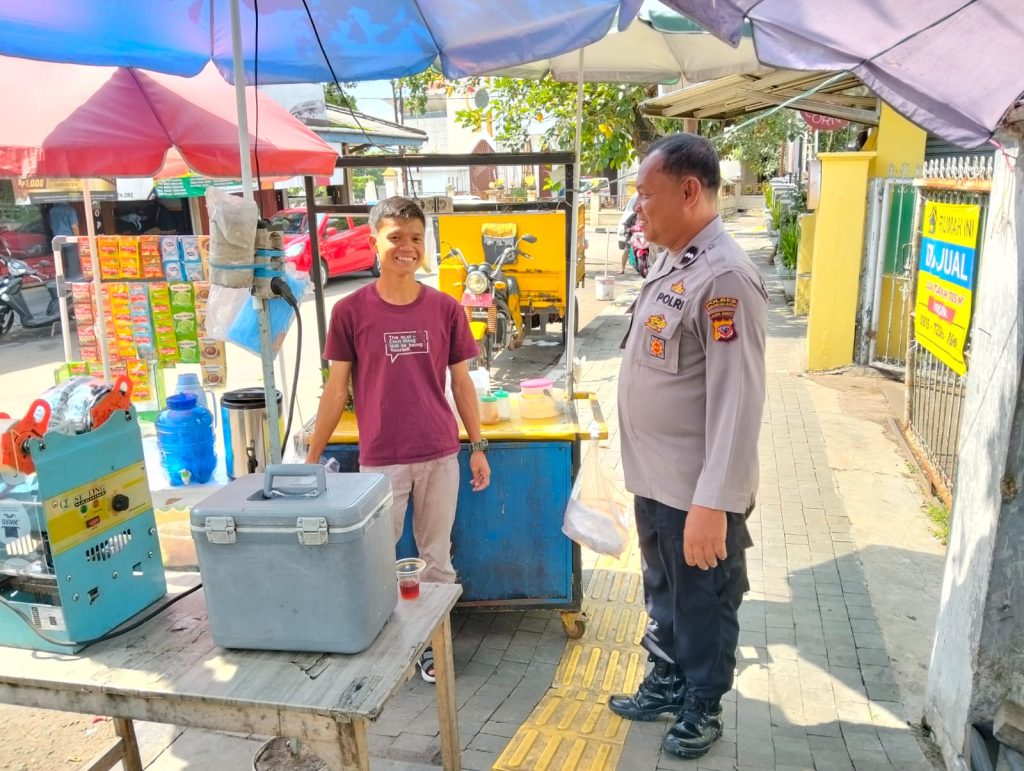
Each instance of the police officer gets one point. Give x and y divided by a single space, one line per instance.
691 394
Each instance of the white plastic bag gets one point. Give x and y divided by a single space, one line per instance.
232 238
596 516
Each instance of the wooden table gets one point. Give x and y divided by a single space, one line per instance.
170 671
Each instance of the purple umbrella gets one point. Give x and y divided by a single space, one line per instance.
947 65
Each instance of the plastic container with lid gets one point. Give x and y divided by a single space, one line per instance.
536 386
489 410
184 435
504 405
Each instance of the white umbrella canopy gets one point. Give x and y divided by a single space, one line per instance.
659 46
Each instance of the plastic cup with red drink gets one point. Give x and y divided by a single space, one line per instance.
408 572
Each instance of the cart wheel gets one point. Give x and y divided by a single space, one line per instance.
573 626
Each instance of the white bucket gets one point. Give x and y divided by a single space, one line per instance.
604 287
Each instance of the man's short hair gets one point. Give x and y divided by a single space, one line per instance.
396 208
684 155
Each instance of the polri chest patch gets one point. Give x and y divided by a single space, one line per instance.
656 322
722 312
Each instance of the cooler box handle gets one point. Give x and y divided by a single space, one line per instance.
293 470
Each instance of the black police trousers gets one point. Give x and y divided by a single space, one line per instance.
693 613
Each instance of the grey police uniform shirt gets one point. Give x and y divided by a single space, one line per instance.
692 378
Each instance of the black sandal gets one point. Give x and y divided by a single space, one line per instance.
426 665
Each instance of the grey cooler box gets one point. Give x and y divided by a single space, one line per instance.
289 564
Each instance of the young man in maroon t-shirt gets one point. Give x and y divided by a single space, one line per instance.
395 338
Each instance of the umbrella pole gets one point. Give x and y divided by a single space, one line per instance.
260 303
62 301
97 283
570 306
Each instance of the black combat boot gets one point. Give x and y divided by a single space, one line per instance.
661 692
698 727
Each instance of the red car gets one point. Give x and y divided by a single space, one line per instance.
344 242
28 242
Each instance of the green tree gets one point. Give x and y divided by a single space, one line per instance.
338 96
613 128
759 145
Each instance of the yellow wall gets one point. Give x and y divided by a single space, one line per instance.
838 251
804 260
897 142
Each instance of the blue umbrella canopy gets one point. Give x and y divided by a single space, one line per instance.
303 41
948 65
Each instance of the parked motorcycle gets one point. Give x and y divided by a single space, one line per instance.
491 300
12 301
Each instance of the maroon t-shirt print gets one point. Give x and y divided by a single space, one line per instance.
404 343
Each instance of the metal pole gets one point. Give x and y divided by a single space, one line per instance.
62 300
866 345
315 268
879 268
97 283
570 295
259 303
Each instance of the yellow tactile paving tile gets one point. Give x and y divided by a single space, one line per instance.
572 727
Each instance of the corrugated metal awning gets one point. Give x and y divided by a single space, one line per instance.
738 96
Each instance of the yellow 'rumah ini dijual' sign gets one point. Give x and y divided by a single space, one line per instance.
945 280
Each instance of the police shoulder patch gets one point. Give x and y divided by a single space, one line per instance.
721 312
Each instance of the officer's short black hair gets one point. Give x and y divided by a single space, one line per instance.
395 208
684 155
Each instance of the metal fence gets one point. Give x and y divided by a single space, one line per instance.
935 393
892 292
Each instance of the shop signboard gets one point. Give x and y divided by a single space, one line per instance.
193 186
823 122
945 280
35 190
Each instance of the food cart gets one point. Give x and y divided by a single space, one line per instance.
507 542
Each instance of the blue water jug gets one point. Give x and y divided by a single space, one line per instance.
184 434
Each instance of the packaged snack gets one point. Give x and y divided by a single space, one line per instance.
188 351
169 249
193 271
85 256
189 246
109 254
129 257
213 375
182 296
149 257
173 270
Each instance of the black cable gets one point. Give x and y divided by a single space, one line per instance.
256 100
279 286
109 635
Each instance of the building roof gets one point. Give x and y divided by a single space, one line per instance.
352 127
737 96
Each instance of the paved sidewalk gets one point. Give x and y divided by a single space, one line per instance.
814 687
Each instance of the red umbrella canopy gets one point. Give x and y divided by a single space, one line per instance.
65 120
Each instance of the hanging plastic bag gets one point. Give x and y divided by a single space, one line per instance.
223 308
596 516
232 238
244 330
